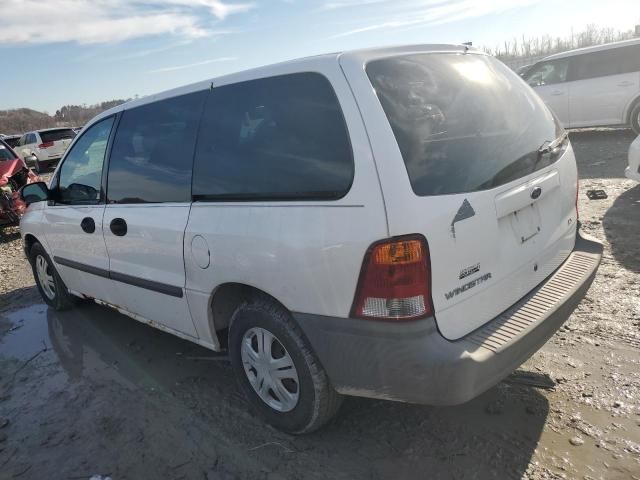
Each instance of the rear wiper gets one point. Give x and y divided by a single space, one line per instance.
550 147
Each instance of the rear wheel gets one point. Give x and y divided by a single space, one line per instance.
51 287
277 369
37 166
635 119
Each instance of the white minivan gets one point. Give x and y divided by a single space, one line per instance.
593 86
392 223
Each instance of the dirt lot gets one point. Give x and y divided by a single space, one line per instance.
92 392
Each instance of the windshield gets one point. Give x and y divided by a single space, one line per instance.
463 122
5 152
55 135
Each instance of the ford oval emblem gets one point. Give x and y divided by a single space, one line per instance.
536 192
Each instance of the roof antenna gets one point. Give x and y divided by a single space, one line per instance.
467 45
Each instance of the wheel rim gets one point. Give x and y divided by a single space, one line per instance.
45 277
270 369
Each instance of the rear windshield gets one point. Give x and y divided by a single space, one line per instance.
55 135
463 122
5 152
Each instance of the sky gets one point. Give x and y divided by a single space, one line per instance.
59 52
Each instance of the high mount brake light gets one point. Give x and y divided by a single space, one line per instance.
395 281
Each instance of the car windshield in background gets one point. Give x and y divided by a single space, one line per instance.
55 135
6 153
463 122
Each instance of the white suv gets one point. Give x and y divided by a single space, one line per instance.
396 223
591 87
43 148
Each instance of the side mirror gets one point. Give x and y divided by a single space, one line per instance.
34 192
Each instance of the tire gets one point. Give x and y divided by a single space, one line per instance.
51 287
37 167
635 119
316 403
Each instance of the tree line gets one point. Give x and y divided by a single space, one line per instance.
522 48
21 120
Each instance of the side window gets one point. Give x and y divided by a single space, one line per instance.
629 59
81 173
278 138
613 61
592 65
152 155
547 73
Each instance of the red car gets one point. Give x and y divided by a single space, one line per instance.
13 175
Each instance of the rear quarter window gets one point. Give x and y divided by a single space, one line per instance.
463 122
277 138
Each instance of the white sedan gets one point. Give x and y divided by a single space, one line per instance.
633 170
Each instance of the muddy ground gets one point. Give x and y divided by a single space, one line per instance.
90 392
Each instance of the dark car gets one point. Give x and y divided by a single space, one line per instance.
11 140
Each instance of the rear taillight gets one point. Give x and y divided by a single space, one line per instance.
395 281
45 145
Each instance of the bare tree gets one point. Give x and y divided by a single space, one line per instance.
516 51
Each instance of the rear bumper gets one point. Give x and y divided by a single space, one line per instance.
414 363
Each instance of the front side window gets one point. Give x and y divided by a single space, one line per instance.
277 138
547 73
81 173
152 155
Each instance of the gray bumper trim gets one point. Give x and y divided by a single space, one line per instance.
413 362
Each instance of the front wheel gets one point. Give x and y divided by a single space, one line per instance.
277 369
635 119
51 287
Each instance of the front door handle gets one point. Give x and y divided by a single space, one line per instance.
557 93
118 227
88 225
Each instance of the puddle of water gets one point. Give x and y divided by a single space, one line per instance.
26 332
96 343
